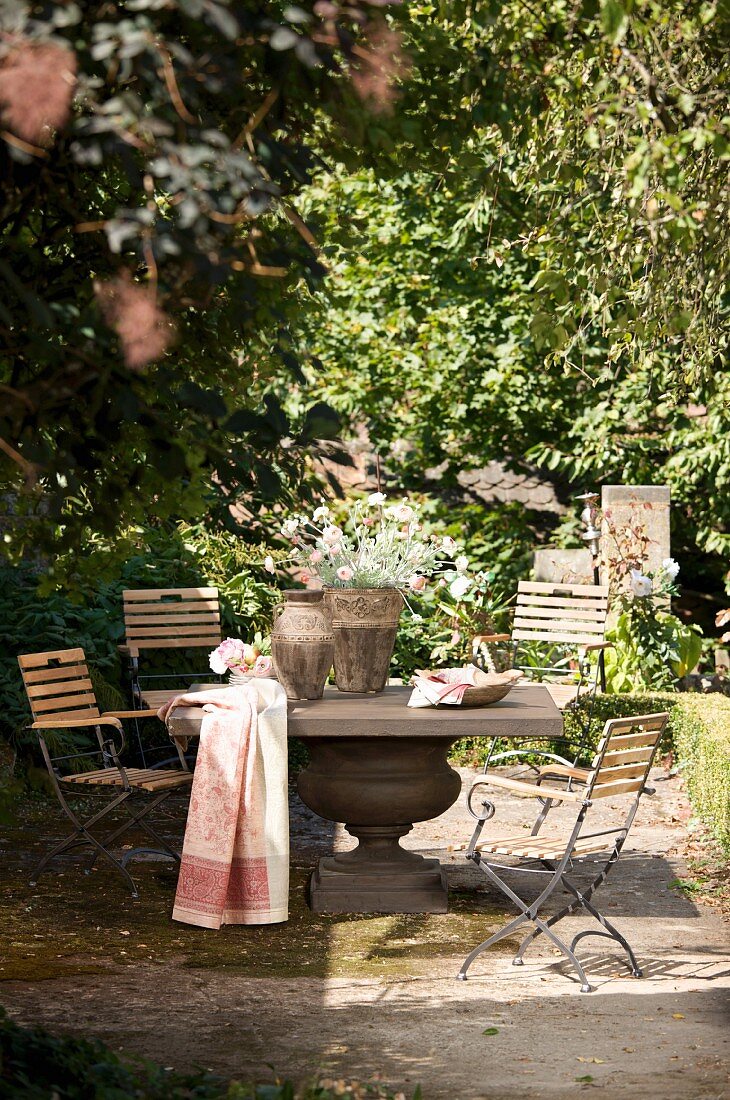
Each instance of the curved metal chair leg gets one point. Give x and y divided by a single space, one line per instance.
64 845
506 931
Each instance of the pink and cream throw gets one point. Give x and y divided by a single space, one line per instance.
235 860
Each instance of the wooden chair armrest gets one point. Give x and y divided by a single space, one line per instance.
562 770
593 646
130 713
124 650
479 638
520 787
72 723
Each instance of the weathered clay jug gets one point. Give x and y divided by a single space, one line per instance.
302 644
365 623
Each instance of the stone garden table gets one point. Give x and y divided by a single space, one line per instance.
378 766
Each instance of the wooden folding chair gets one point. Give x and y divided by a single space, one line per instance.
621 766
61 697
560 626
168 619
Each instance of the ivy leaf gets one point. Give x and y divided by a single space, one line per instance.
614 20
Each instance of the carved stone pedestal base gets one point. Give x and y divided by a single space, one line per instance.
378 877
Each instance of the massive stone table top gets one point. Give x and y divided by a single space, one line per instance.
527 712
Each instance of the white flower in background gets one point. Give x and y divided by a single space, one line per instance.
404 513
269 565
289 526
376 498
320 513
670 567
640 585
460 586
332 535
461 564
448 545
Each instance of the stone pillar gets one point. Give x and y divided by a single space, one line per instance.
645 507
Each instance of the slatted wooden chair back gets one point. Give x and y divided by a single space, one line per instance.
624 755
58 685
171 618
572 615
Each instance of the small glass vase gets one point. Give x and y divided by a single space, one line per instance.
237 677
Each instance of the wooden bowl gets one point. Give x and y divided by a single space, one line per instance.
483 696
489 687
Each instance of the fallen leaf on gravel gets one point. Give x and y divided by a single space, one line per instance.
491 1031
677 1016
596 1061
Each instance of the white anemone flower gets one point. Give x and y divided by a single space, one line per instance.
640 585
448 545
461 564
459 586
670 567
321 512
289 526
332 535
376 498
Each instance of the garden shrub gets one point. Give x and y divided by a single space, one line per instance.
37 1065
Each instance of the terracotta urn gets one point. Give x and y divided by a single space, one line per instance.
302 644
365 624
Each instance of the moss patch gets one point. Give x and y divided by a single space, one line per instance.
71 923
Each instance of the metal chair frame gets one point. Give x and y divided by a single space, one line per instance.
61 697
612 772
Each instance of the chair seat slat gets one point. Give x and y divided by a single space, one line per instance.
38 660
524 635
557 623
48 675
606 790
157 607
628 756
176 643
620 771
63 702
587 614
136 595
542 847
56 687
530 599
631 740
553 588
195 629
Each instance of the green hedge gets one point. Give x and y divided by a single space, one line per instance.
701 730
698 732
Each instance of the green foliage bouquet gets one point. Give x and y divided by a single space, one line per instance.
653 648
379 545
